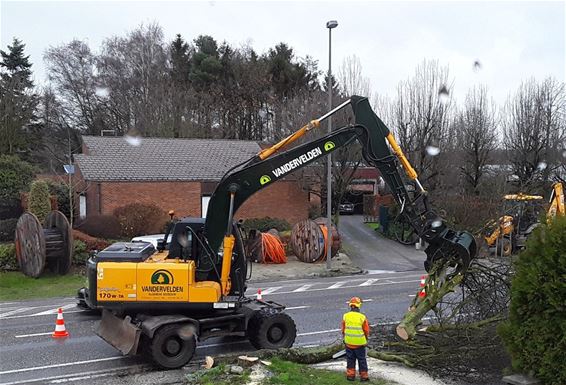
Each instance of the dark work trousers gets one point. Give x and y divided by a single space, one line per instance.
357 354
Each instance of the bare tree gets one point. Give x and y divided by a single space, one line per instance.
351 78
135 71
420 117
476 133
71 69
534 129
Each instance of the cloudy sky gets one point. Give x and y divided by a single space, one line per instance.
513 40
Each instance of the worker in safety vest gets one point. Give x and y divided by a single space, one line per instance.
355 329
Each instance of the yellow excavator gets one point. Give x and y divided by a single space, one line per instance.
160 302
522 213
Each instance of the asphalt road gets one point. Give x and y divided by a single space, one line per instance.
371 251
28 353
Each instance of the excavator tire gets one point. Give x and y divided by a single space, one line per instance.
271 330
504 247
168 350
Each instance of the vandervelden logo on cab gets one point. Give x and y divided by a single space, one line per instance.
162 283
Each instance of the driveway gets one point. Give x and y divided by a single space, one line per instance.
371 251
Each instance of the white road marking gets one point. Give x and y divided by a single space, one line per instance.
297 307
310 346
349 287
337 285
369 282
39 314
73 376
61 365
381 271
270 290
20 310
33 335
54 311
303 288
318 332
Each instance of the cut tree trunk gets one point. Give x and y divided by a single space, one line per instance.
438 284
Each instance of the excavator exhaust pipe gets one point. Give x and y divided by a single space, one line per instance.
454 248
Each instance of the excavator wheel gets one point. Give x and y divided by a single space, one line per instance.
504 247
269 329
168 350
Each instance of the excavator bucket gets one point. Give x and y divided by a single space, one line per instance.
454 248
119 332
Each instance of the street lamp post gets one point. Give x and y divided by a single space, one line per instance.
330 25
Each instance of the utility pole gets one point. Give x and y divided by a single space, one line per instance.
330 25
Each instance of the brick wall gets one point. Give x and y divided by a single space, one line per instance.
283 199
183 197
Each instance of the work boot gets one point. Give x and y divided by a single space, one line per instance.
364 376
351 374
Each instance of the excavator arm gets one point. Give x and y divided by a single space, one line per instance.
455 247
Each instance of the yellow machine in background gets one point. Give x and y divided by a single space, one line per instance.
521 217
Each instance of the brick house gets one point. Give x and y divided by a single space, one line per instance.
174 174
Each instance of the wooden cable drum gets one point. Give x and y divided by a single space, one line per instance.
336 239
308 240
37 246
258 252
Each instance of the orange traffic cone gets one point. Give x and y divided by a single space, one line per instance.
422 293
60 330
259 296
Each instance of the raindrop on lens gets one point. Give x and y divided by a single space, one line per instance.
432 151
443 94
133 137
101 92
183 241
133 140
477 66
541 166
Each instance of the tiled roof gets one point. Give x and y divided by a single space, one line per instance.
161 159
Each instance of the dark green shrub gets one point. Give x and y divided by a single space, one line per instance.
535 333
80 254
15 176
140 219
10 208
101 226
39 199
61 192
8 229
265 224
8 257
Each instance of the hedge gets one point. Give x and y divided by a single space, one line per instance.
535 333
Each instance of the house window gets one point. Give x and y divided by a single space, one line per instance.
204 205
82 206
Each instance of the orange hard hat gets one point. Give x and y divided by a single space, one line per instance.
356 302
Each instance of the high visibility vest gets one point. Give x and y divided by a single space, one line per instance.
353 331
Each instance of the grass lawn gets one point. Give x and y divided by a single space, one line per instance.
16 286
279 373
289 373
